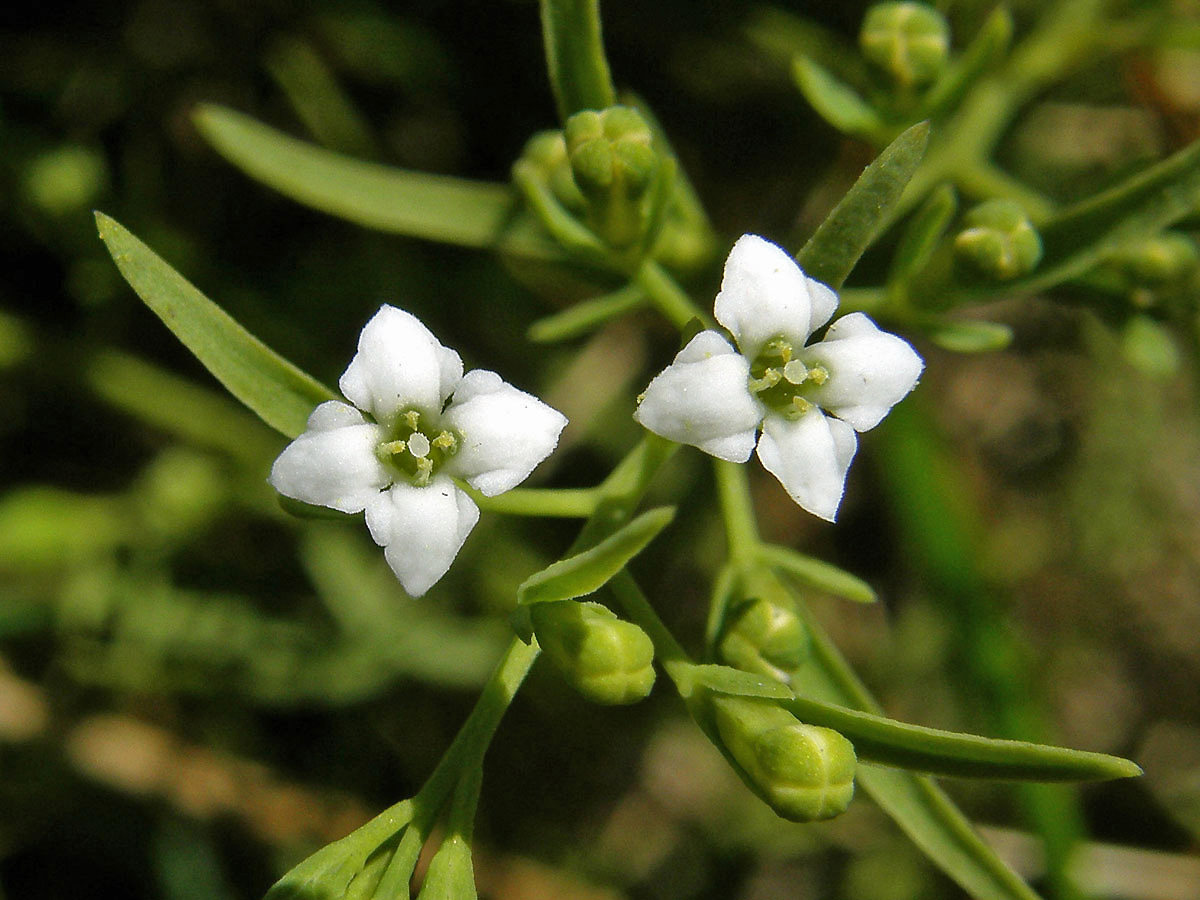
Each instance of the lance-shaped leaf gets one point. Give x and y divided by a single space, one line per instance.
904 746
417 204
274 389
575 59
727 680
846 233
587 572
835 101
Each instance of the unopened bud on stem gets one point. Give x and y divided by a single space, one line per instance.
608 660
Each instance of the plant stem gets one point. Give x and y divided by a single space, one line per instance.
566 503
741 528
668 297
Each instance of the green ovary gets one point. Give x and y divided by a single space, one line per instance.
779 379
418 447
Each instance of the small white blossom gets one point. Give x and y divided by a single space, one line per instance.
808 399
416 423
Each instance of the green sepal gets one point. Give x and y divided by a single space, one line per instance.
817 574
985 50
839 241
575 61
331 872
417 204
451 873
900 745
837 102
275 390
587 572
968 335
586 316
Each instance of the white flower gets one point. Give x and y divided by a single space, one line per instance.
417 423
809 399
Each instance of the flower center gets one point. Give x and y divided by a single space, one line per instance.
418 447
779 379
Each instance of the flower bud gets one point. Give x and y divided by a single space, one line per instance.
766 637
1164 259
614 164
803 772
606 659
999 240
908 41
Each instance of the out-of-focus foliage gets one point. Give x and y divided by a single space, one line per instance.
196 690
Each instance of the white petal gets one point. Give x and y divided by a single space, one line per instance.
869 370
333 463
399 365
810 456
764 294
421 529
504 432
703 398
824 302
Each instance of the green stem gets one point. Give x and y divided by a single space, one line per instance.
668 297
741 527
565 503
636 605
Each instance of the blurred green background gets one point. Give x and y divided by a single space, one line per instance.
196 691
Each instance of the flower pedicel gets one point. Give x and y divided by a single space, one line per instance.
416 424
809 399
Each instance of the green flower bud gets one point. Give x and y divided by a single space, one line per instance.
803 772
908 41
614 164
1165 259
606 659
999 240
765 637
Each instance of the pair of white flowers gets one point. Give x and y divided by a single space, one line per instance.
418 425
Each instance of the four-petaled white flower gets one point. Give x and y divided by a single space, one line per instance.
809 399
417 423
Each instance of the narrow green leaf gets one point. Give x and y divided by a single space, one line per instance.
1082 235
936 752
586 572
575 60
915 803
436 207
275 390
846 233
727 680
835 101
818 574
970 335
587 315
